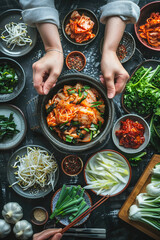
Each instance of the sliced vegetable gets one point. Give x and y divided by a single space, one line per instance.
70 203
105 172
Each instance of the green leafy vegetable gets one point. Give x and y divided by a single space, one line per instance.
136 159
7 127
8 79
155 129
143 91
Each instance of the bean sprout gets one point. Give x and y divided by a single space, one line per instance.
36 169
15 34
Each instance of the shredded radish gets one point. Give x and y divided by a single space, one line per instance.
36 169
16 34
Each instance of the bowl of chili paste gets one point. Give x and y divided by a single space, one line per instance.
131 133
72 165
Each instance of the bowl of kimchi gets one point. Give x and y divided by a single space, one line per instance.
147 28
80 26
76 115
131 133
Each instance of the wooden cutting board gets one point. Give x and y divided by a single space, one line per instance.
141 187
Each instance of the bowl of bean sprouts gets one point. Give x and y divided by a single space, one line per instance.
16 37
32 171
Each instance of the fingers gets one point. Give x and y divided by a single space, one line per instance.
50 82
121 82
57 236
109 82
47 234
38 74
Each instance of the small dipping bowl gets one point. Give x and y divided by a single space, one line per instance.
76 60
72 165
39 216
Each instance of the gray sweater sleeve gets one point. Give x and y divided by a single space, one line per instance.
38 11
128 10
35 11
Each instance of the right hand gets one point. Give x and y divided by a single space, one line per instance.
46 71
53 234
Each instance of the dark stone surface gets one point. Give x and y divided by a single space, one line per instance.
106 216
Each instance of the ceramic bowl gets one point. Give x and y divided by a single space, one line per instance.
76 60
146 64
145 13
127 43
39 215
21 79
113 154
147 133
72 165
72 79
87 13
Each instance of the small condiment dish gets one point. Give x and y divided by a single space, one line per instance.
126 47
39 215
72 165
140 120
76 60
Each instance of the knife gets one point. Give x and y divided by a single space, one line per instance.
87 230
86 235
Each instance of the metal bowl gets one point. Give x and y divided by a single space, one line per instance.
87 13
144 14
52 136
147 133
128 42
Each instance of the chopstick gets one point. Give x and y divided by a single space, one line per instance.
97 204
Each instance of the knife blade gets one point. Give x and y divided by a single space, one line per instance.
87 230
86 235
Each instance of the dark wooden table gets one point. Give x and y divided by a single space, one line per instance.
106 216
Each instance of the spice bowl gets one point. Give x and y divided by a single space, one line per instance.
76 60
125 49
72 165
39 216
131 149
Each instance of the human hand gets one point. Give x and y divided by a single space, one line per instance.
53 234
114 75
46 71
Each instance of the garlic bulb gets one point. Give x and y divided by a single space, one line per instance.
23 230
12 212
5 228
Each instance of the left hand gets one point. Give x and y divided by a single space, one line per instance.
114 75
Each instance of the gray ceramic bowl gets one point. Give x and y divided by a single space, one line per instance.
21 79
52 136
116 127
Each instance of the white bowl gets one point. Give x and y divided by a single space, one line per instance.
147 134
